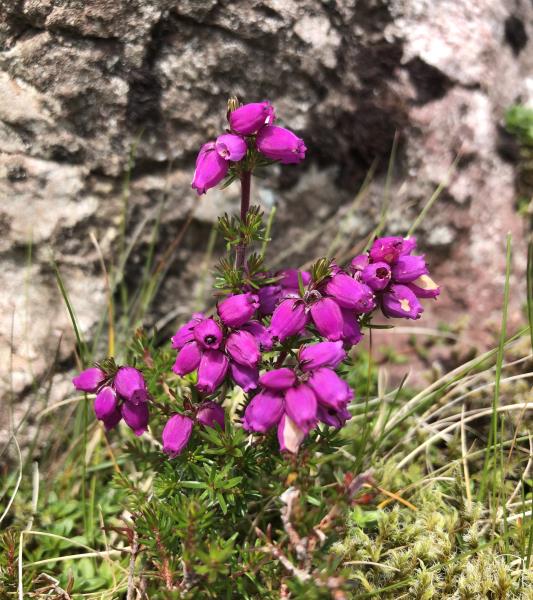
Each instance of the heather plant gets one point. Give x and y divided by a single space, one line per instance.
279 336
259 452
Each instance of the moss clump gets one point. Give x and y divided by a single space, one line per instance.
446 550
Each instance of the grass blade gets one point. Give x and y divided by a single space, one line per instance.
493 434
440 188
82 348
268 229
529 290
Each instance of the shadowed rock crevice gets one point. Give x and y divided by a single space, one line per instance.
515 34
144 95
430 83
362 104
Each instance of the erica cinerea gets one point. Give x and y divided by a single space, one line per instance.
251 134
282 337
121 393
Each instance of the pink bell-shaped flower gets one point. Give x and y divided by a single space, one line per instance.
263 412
211 168
278 143
176 434
249 118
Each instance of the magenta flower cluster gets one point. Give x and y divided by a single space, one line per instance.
121 394
296 398
251 128
260 341
397 278
230 343
282 337
178 428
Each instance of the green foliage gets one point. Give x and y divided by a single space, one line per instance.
320 270
236 231
212 522
519 121
229 277
61 516
198 525
382 509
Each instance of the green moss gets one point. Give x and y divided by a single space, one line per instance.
445 549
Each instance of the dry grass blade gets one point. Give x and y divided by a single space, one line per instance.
478 414
19 479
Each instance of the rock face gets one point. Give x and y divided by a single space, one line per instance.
81 83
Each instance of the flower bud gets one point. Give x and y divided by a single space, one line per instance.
245 377
248 119
327 318
176 434
231 147
330 389
210 170
186 332
290 279
129 383
243 348
263 412
322 354
278 143
358 263
89 380
409 268
301 405
208 334
288 319
187 360
290 436
268 298
350 293
212 370
351 330
105 403
136 416
376 275
237 309
389 249
209 414
400 301
424 287
278 379
261 334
